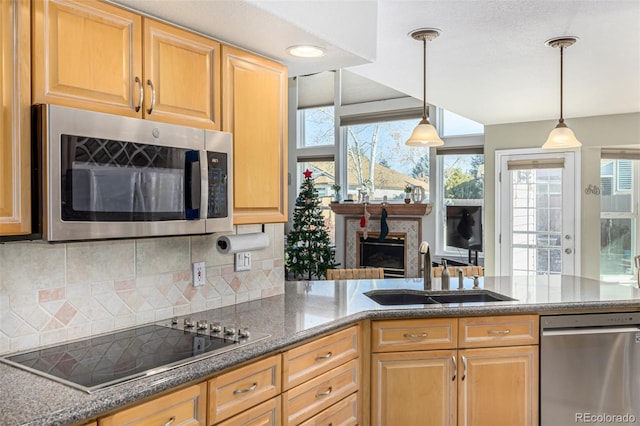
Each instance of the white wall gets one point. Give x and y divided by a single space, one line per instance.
620 130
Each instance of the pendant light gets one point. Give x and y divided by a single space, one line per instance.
562 137
424 135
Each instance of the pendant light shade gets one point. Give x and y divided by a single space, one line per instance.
562 137
424 135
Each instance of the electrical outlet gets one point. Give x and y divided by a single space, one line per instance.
243 261
199 274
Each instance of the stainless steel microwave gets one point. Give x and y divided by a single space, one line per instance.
106 176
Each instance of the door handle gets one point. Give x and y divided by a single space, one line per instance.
141 96
568 251
455 367
153 97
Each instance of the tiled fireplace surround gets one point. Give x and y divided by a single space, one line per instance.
50 293
410 228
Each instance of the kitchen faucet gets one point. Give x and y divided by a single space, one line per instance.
424 249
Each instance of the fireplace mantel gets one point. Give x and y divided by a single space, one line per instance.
393 209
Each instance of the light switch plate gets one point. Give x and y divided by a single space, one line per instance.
243 261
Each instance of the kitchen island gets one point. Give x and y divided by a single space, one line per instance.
305 311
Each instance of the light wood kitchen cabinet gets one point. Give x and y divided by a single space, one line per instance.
343 413
87 54
489 376
268 413
414 388
238 390
15 122
319 356
498 386
181 76
314 396
321 380
184 407
254 104
93 55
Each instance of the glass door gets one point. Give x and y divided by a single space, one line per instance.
536 220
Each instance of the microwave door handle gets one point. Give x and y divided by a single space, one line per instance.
192 181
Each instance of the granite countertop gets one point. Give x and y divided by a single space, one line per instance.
307 309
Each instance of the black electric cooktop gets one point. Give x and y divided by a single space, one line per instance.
98 362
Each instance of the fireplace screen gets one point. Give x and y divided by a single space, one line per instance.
388 254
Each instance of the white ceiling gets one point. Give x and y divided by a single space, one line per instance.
489 64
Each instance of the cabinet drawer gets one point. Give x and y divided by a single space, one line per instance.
343 413
511 330
414 334
310 398
184 407
266 414
309 360
238 390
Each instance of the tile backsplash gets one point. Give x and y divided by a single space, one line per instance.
50 293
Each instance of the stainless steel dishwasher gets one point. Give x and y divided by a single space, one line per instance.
590 369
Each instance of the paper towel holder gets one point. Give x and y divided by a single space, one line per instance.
242 242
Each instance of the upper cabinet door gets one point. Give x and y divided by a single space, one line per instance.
254 96
182 76
15 93
87 54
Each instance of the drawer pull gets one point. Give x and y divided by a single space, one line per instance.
416 335
325 356
324 393
170 422
507 331
249 389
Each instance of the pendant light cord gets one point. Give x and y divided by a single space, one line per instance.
561 81
425 114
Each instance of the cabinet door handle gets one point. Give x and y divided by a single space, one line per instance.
325 356
455 367
153 97
170 422
141 95
506 331
464 368
324 393
416 335
249 389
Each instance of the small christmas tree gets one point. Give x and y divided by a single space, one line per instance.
309 251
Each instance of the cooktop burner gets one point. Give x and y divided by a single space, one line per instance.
97 362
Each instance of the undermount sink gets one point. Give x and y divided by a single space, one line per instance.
419 297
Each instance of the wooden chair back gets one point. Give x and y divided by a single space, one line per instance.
467 271
355 273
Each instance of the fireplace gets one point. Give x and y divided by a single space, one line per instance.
403 230
389 253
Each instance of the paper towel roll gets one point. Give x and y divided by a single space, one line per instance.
242 242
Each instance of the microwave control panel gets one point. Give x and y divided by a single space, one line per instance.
218 185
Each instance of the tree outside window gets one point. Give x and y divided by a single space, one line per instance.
379 162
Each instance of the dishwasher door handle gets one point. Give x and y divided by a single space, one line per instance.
589 330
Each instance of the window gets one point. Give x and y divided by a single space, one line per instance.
619 236
456 125
316 127
379 162
461 178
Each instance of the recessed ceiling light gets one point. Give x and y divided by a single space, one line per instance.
306 51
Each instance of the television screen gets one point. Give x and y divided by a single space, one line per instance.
464 227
